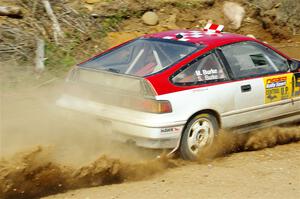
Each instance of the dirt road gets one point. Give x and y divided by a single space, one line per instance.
270 173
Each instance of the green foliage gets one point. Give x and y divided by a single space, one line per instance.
111 22
59 58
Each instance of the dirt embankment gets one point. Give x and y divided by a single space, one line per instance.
84 24
89 27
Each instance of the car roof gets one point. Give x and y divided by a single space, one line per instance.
200 37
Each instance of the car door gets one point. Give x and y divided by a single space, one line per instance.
263 83
207 87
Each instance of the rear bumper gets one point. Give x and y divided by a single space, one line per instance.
132 128
149 137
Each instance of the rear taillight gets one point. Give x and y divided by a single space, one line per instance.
156 106
151 105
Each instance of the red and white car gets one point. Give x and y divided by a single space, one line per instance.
175 89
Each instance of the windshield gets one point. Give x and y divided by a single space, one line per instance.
142 57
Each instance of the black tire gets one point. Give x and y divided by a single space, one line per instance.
193 139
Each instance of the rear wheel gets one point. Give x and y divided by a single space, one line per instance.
199 132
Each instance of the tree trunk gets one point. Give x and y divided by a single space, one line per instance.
57 32
39 55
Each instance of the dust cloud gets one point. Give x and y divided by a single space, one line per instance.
47 150
32 118
36 172
228 142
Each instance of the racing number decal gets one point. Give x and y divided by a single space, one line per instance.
279 87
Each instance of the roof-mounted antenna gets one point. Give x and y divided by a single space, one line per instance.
179 36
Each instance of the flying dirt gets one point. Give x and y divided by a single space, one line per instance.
52 150
36 173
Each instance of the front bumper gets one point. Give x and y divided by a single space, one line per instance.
132 128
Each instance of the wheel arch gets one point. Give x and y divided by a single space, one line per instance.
208 111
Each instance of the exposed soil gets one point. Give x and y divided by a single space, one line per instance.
269 173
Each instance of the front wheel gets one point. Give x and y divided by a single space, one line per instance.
199 132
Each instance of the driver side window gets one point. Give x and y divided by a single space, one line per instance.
205 69
248 59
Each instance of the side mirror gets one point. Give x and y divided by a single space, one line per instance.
294 65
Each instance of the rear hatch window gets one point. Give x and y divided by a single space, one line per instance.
142 57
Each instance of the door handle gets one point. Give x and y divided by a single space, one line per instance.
246 88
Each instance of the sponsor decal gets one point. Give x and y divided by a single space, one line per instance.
276 82
170 130
278 87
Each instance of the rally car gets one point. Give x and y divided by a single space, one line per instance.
176 89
